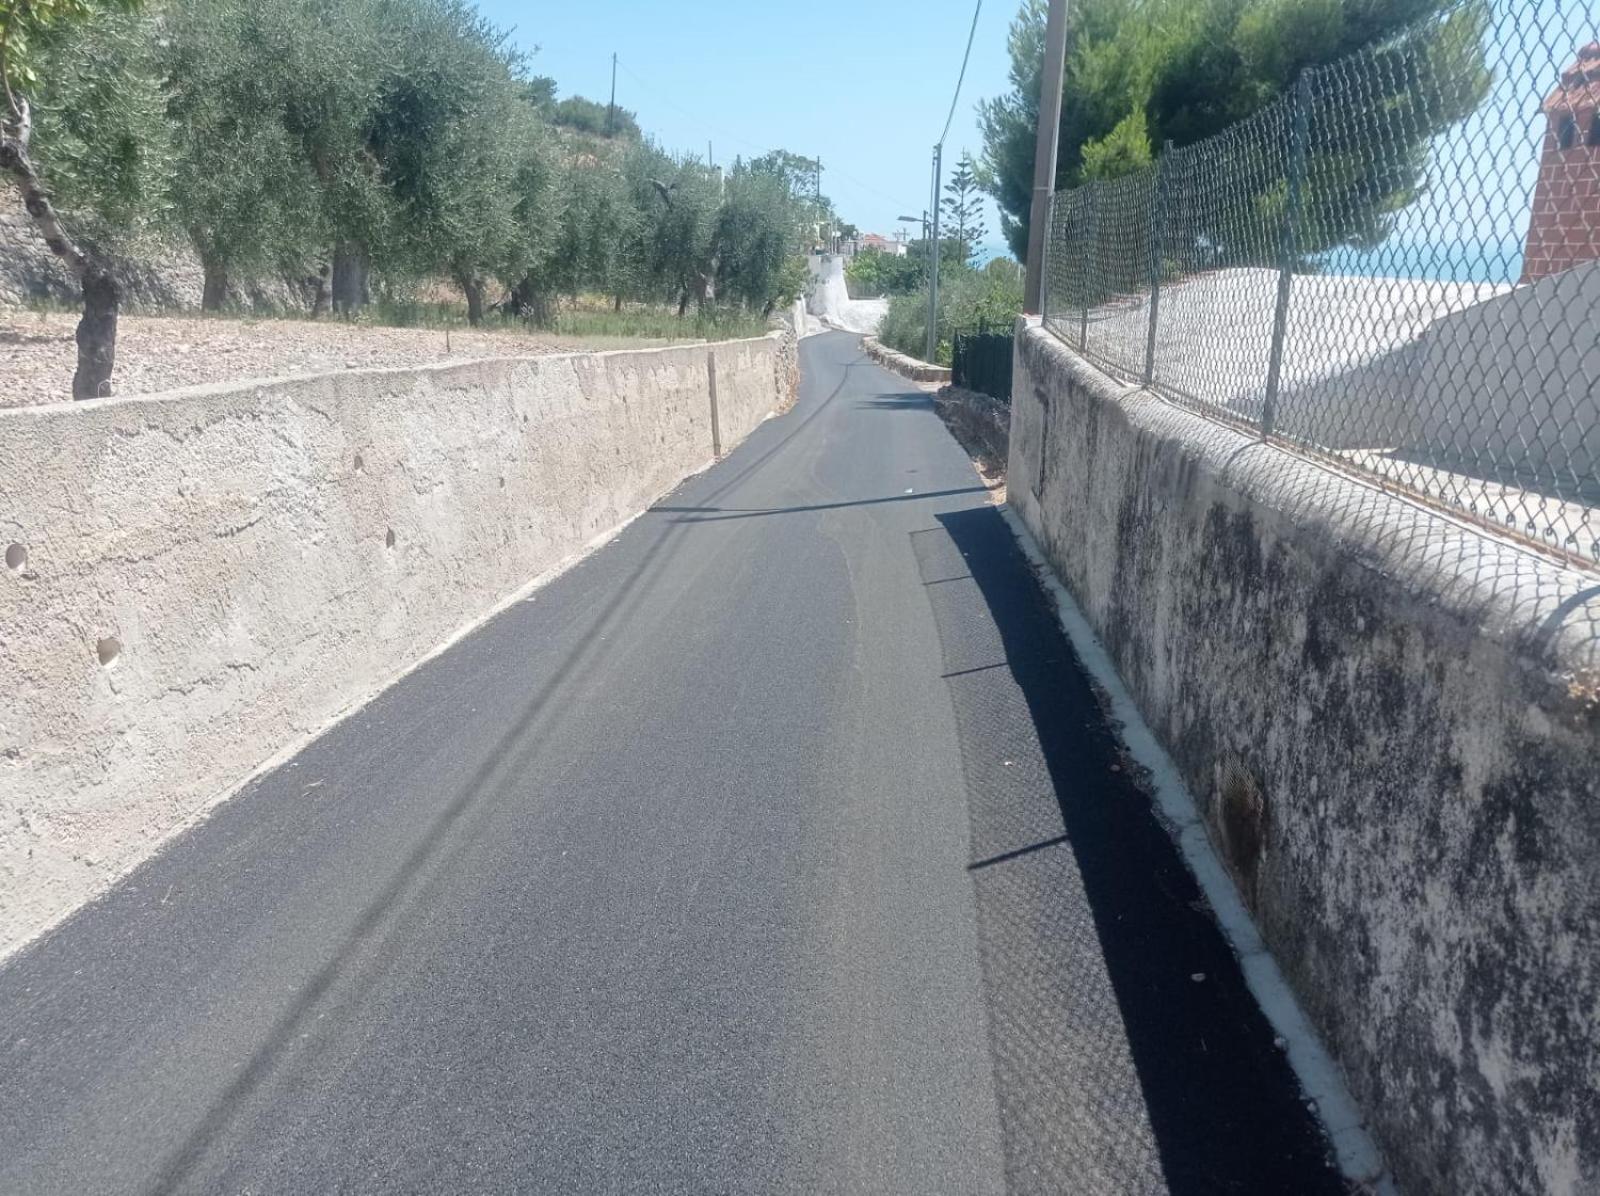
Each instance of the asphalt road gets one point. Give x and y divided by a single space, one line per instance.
778 847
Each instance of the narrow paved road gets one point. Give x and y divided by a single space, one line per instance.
777 847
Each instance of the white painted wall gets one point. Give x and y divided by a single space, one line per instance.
829 299
196 580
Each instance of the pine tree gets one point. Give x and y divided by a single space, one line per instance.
963 207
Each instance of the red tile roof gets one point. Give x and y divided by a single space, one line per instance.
1579 89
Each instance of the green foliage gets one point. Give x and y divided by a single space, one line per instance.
243 189
1142 72
952 256
397 138
594 118
27 26
755 238
800 175
597 227
874 273
713 323
967 298
454 139
99 135
1123 151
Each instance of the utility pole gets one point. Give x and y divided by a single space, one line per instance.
824 228
933 251
1044 151
611 108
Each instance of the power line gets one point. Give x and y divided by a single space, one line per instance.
659 94
868 188
960 79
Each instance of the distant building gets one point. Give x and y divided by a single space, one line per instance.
873 243
1565 229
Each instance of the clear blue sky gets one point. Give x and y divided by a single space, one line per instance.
864 86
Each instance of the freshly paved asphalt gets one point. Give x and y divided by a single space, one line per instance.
778 847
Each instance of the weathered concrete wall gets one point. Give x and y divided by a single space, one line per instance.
905 365
195 580
1391 723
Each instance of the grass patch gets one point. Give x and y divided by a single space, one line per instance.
662 323
591 316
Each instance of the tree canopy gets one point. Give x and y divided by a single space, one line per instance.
354 146
395 139
962 207
1143 72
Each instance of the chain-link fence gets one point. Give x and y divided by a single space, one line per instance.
1394 264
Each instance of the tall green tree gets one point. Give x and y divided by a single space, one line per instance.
245 191
963 207
453 136
1142 72
597 232
678 204
756 234
323 65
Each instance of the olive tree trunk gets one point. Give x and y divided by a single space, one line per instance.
102 295
529 301
214 295
349 279
319 291
472 286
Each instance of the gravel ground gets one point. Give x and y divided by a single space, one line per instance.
154 353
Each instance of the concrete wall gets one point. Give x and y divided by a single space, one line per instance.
194 581
1391 724
1513 381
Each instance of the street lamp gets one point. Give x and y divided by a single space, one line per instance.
922 220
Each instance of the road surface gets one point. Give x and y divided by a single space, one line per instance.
777 847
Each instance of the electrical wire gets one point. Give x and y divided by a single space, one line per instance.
659 94
723 135
960 79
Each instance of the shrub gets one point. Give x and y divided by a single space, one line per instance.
967 298
876 273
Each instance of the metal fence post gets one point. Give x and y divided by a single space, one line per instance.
1158 226
1299 130
1044 261
1091 257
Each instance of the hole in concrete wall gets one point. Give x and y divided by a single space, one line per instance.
502 483
108 648
16 557
360 464
388 539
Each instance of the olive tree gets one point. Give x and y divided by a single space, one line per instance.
246 190
458 144
757 232
82 109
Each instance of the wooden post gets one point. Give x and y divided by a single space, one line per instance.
716 430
